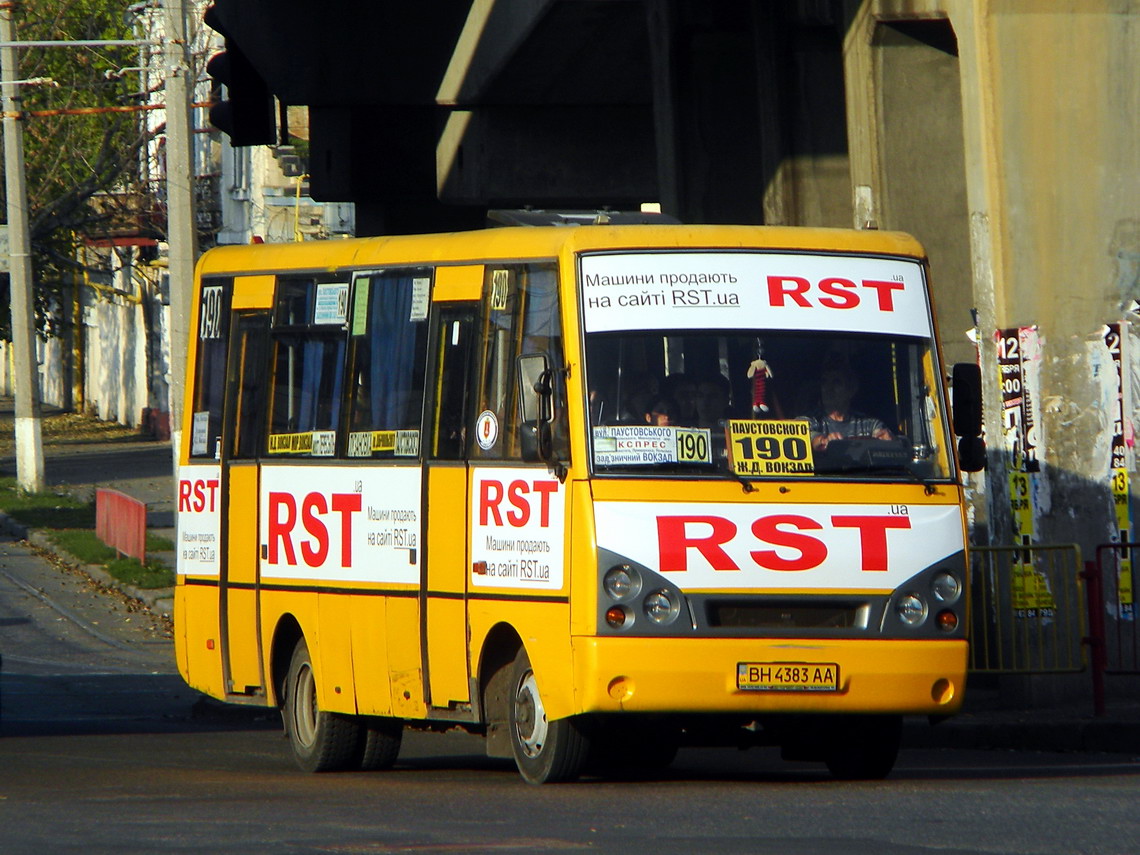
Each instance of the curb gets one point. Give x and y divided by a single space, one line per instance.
160 600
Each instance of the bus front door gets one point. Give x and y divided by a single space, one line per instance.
446 495
240 576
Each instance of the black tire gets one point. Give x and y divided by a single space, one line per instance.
321 741
380 743
864 748
546 752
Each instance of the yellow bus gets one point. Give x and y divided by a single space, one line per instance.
592 491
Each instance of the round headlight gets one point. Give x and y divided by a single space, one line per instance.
662 606
946 587
621 582
911 609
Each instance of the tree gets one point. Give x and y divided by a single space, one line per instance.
85 169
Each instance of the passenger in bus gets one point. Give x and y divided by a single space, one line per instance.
834 418
662 412
714 393
681 389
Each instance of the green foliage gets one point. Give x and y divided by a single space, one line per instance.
87 548
44 510
83 168
70 524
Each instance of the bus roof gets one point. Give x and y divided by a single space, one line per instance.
516 243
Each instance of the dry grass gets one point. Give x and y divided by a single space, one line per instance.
60 429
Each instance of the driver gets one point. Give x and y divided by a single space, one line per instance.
835 419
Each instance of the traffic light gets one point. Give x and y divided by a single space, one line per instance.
247 114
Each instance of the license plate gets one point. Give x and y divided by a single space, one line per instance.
787 676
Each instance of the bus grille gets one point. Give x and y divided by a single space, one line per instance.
787 614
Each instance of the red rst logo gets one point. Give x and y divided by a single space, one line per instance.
837 293
282 519
521 495
676 535
197 495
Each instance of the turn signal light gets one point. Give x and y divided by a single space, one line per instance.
615 616
947 620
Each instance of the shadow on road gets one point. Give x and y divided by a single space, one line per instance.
36 705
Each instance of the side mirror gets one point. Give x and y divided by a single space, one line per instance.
536 406
966 389
971 453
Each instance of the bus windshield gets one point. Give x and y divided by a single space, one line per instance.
677 383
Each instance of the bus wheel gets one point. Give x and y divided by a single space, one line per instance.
380 745
546 752
321 741
864 748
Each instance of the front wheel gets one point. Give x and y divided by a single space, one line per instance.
546 752
321 741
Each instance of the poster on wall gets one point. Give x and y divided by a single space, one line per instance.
1019 369
1122 457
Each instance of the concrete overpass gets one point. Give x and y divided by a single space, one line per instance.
1005 134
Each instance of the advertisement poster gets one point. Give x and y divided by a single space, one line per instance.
518 529
1116 339
693 290
1019 367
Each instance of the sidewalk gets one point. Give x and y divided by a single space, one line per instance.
144 469
134 464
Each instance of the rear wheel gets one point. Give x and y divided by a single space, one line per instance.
864 748
546 752
380 745
321 741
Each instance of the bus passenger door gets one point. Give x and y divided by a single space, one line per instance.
446 496
241 442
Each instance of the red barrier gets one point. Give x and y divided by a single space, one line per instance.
1096 637
120 522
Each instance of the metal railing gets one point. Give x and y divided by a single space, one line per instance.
1027 609
1116 568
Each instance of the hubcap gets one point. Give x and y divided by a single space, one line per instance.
530 717
305 706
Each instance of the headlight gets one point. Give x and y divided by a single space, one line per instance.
911 609
621 582
662 606
946 587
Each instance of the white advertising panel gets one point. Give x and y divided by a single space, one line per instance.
806 547
761 290
340 524
199 520
518 529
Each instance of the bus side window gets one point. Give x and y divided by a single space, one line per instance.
387 355
210 369
451 412
248 352
520 315
307 357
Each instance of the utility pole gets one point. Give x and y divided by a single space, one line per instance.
29 442
181 225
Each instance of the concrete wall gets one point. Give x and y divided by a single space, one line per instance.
113 360
1017 161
